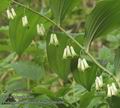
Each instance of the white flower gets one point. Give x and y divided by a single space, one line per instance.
112 90
73 53
79 64
65 54
82 64
99 82
40 29
68 51
109 92
13 12
9 14
85 63
24 21
56 40
53 40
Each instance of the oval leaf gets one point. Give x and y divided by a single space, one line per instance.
104 18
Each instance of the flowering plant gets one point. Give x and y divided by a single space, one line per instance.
79 66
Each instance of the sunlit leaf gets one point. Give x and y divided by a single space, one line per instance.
104 18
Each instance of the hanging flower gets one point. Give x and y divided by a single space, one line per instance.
99 82
24 21
82 64
73 53
53 40
40 29
11 13
112 90
69 52
65 54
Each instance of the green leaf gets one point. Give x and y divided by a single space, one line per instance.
104 18
86 78
62 7
20 36
3 5
43 90
74 93
55 56
114 102
3 97
117 61
106 54
85 99
8 106
16 83
28 70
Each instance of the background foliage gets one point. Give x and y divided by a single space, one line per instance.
32 70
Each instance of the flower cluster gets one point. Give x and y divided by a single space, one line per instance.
112 90
53 40
99 82
69 52
24 21
82 64
11 13
40 29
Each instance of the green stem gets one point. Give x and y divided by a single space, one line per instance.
72 38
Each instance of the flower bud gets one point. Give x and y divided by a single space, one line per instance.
65 54
68 51
40 29
13 12
53 40
24 21
9 14
99 82
79 64
112 90
85 64
73 53
109 92
82 64
56 40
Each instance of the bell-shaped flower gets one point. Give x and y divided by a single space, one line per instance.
9 14
53 40
82 64
40 30
65 54
112 90
73 53
109 92
13 12
24 21
99 82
